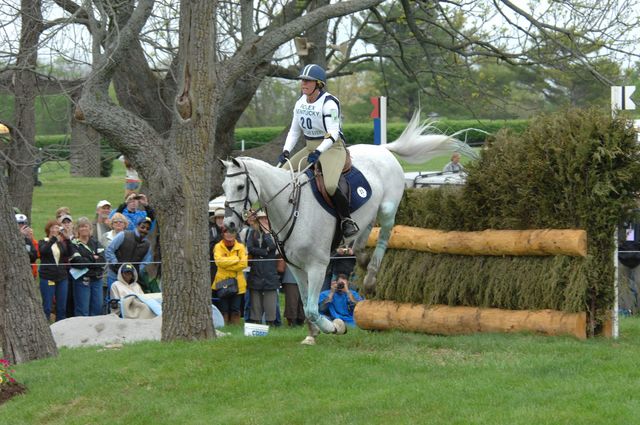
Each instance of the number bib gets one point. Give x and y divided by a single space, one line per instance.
313 118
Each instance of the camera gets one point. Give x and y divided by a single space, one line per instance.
340 286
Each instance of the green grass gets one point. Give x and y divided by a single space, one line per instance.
359 378
80 194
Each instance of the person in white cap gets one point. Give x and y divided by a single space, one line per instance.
101 224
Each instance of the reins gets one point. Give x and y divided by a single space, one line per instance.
294 200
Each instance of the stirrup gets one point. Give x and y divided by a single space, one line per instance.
349 227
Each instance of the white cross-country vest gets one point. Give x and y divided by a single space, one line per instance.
317 118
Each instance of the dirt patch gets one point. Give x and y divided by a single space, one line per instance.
8 391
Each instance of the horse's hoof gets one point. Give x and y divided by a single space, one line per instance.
341 328
309 341
369 285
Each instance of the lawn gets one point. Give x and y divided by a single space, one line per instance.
358 378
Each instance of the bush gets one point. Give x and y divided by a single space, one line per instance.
578 169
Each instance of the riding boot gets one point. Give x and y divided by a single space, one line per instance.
349 227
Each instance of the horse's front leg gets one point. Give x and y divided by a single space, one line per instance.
317 322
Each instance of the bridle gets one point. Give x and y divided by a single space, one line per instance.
294 200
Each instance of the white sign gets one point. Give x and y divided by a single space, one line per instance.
621 98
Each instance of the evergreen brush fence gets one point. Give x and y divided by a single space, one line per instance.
574 170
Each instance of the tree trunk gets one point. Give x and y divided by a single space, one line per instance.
84 150
184 236
22 162
24 330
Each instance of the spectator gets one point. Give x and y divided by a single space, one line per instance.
88 266
128 247
101 223
30 245
215 235
342 262
126 284
454 166
132 181
231 258
339 302
118 224
293 308
65 237
67 223
54 251
263 280
135 208
250 223
62 211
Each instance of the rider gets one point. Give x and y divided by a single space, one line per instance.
317 116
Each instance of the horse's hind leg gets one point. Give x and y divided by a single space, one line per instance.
386 218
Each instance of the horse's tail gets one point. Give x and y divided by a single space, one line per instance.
421 142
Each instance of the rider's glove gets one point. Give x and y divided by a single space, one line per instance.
283 157
313 157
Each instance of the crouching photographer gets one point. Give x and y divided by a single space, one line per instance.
339 302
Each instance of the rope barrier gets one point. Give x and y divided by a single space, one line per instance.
253 260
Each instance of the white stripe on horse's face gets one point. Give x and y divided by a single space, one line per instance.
236 194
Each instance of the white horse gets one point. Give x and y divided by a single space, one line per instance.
307 230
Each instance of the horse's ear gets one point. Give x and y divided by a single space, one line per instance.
224 163
235 162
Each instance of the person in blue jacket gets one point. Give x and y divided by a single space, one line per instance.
339 301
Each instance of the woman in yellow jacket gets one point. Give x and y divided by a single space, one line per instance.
230 256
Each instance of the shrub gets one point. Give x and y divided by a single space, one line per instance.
577 169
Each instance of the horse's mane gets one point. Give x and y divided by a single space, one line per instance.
420 142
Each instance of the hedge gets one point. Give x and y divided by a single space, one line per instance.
354 133
577 169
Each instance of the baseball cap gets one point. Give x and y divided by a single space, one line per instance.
65 217
103 203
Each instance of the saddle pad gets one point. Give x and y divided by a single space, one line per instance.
359 190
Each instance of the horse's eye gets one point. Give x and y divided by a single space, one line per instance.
240 187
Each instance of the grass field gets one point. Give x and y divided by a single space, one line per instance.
358 378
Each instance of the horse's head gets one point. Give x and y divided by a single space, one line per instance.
240 193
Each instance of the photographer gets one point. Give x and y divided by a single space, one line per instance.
135 208
339 302
54 253
30 244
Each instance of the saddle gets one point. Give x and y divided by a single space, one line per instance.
342 184
352 183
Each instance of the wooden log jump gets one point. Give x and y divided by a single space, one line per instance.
445 320
571 242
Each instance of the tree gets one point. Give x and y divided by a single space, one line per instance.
24 331
176 165
440 49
